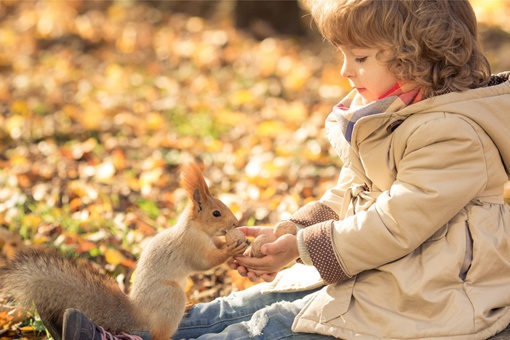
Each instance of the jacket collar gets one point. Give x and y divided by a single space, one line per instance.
488 106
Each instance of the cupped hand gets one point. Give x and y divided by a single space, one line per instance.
254 232
277 255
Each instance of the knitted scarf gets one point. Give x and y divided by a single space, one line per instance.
350 109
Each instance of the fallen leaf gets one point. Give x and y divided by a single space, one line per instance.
113 256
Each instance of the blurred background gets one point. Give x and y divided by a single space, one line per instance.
102 100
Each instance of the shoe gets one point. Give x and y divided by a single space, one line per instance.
78 327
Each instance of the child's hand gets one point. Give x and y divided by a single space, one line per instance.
278 254
256 231
253 232
251 275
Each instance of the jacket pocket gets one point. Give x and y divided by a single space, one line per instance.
336 299
468 258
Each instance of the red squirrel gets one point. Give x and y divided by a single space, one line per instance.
156 303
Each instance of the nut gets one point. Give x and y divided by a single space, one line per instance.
234 236
257 243
285 227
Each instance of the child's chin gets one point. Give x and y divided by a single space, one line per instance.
366 98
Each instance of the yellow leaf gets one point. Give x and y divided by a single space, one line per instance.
189 285
133 277
31 221
298 78
113 256
213 145
133 183
268 193
19 160
126 42
14 125
270 128
239 281
294 112
20 107
149 177
38 239
232 118
243 97
155 121
93 116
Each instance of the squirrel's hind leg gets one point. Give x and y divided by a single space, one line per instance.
162 305
53 326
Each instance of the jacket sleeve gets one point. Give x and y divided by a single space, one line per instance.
440 169
320 214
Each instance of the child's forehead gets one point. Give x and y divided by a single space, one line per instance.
357 49
360 49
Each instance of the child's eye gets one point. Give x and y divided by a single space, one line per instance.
360 60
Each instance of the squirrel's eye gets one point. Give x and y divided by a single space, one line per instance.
216 213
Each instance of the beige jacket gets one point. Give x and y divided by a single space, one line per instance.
422 243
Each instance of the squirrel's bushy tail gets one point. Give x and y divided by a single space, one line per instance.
43 279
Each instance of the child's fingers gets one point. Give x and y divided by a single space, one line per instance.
271 248
280 245
269 277
256 276
253 277
242 271
250 231
256 264
233 265
255 231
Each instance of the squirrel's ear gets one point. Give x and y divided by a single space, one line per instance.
194 183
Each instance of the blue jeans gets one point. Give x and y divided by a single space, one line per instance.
247 314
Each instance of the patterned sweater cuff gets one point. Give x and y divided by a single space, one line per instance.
313 213
319 243
304 255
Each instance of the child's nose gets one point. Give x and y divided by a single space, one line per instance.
346 71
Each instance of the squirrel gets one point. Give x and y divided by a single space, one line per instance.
41 278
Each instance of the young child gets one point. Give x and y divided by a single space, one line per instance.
414 241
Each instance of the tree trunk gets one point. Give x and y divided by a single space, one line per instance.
267 18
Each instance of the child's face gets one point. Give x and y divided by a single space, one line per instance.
365 73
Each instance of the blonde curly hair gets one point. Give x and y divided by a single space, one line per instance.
433 43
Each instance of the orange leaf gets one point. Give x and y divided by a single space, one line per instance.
85 246
129 263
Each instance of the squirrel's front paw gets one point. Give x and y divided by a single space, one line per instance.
236 242
237 247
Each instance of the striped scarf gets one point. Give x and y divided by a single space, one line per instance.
350 109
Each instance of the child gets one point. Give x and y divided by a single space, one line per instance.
414 241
